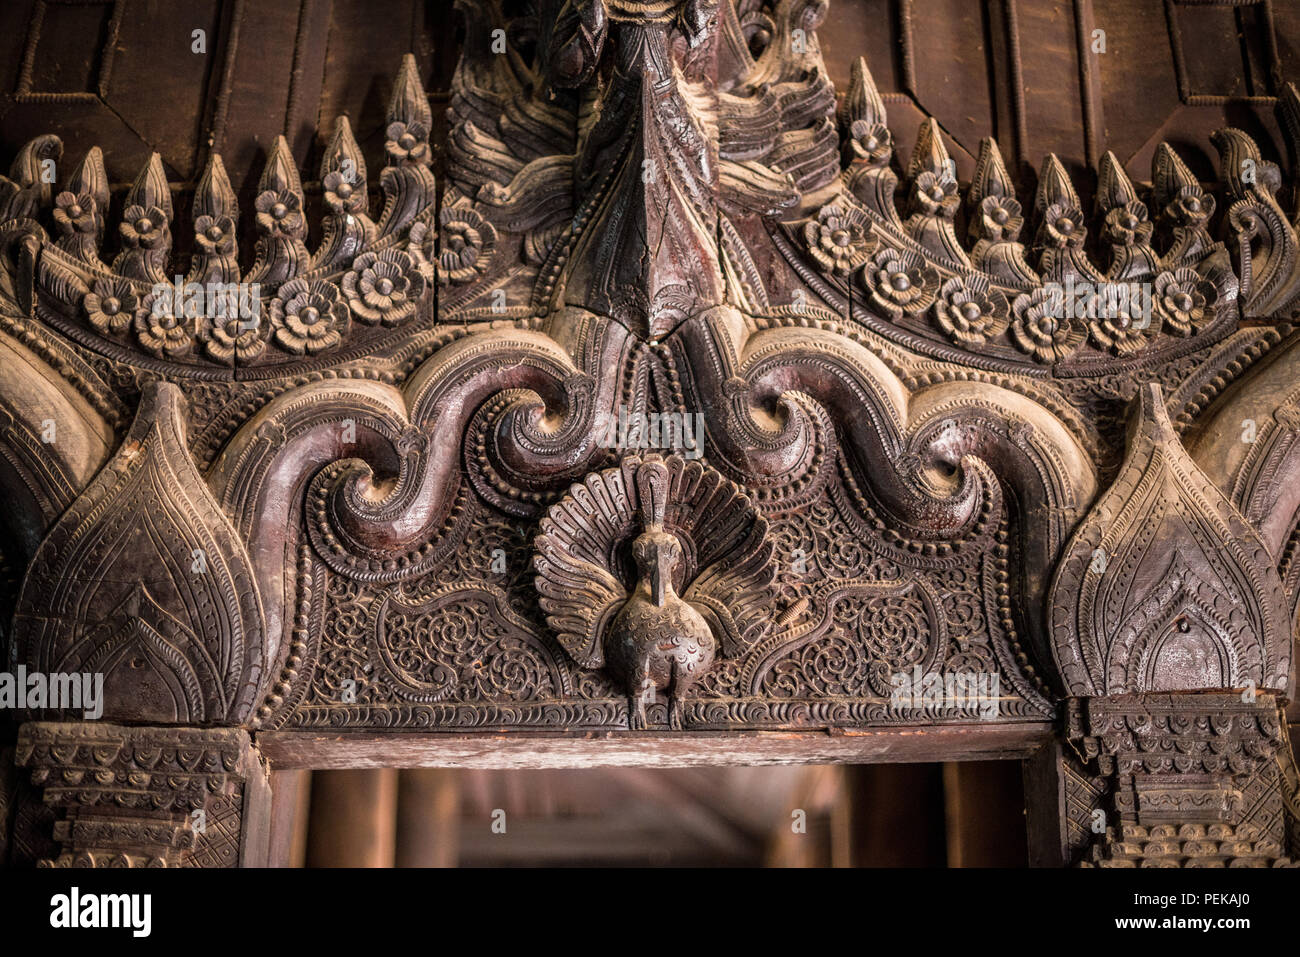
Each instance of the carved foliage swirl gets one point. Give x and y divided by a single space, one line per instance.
462 644
393 515
857 636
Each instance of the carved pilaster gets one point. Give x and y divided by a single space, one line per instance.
1179 780
148 797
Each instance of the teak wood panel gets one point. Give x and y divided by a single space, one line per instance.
653 381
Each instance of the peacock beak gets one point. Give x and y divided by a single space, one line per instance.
658 584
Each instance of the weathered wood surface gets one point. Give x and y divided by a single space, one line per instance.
670 386
550 750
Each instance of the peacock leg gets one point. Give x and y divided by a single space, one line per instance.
675 698
643 690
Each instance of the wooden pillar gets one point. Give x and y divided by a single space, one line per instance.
290 810
891 815
428 817
353 818
1052 785
984 814
802 836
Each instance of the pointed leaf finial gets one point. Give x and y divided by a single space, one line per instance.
863 124
1114 188
91 179
1169 174
281 172
216 216
28 190
343 156
151 188
409 103
214 196
991 177
929 155
1054 186
863 102
343 148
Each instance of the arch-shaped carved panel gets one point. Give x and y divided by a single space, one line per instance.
1165 585
144 581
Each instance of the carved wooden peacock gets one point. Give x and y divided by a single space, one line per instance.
629 580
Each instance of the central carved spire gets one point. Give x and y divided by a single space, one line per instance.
648 257
637 146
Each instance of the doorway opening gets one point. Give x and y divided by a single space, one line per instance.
956 814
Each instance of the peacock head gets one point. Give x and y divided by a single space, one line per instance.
657 553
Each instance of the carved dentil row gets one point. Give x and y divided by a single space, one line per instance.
141 796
